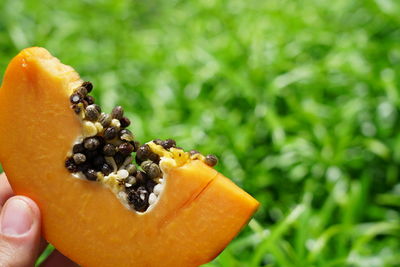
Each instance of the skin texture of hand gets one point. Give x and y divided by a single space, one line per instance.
20 238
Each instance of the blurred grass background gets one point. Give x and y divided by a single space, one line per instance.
298 99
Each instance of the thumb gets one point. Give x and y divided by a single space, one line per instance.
19 232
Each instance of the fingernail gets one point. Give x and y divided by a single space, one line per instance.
16 218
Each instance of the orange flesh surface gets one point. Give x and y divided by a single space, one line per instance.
197 215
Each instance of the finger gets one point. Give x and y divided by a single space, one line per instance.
59 260
5 189
19 232
5 193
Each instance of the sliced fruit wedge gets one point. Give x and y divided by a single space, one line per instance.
197 212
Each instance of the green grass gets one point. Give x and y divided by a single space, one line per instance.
299 99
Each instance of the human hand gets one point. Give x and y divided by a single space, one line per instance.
20 237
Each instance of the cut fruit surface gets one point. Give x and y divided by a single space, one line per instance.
196 215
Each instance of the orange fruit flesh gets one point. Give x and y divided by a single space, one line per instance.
196 216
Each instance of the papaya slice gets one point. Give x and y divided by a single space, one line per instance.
92 215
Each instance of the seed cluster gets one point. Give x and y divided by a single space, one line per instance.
107 147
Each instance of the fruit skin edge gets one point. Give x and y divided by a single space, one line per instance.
32 71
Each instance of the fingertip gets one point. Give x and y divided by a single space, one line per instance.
35 211
19 217
19 232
